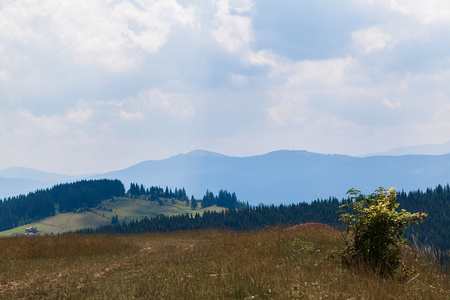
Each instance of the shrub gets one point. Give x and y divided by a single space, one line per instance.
376 227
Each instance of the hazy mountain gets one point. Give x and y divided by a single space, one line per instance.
287 176
272 178
18 180
430 149
13 186
32 174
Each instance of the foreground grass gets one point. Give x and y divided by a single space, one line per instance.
292 263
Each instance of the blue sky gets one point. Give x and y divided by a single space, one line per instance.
94 86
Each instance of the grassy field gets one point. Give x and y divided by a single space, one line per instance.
291 263
126 209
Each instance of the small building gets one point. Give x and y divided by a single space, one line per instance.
32 229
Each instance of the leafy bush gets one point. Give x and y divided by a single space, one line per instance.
376 236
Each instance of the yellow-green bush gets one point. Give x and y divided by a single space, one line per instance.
376 229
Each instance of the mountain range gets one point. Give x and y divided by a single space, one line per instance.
429 149
278 177
18 180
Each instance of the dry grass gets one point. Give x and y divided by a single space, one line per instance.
293 263
432 254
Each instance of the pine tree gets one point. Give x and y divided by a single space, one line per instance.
194 203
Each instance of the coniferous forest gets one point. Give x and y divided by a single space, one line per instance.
82 195
247 218
66 197
434 230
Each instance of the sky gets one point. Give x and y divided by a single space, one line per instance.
94 86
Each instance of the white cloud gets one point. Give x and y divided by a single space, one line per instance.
426 11
26 125
320 73
131 116
109 34
30 125
371 39
3 75
263 58
290 110
16 23
79 115
156 101
233 31
176 104
390 104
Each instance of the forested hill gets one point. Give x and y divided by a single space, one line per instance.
85 195
82 195
223 199
434 230
23 209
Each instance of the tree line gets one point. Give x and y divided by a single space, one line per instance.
155 192
65 197
246 218
435 230
435 202
223 199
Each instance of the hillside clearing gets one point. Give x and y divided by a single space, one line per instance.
62 223
126 208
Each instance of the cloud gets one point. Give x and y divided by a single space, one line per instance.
113 35
28 125
233 30
371 39
289 111
79 115
239 79
330 73
156 101
426 11
391 105
131 116
3 75
148 79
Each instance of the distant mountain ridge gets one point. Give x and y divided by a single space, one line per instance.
33 174
19 180
430 149
285 176
288 176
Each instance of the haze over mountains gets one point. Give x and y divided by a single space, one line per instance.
273 178
18 180
430 149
